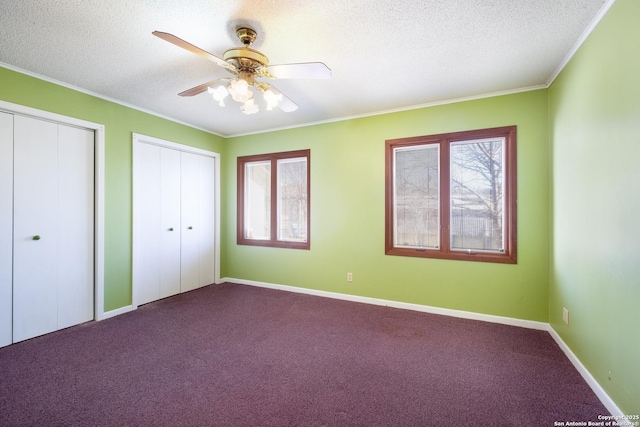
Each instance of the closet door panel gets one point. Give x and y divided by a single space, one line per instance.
207 221
35 290
6 228
75 225
170 222
190 195
147 223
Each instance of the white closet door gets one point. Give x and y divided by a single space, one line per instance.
75 225
174 220
147 223
6 227
190 195
35 263
207 221
170 222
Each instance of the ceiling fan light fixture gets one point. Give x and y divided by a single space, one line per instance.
239 90
250 107
219 94
272 99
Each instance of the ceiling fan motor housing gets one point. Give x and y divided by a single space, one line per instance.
244 58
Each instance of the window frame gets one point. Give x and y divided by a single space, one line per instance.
273 241
444 141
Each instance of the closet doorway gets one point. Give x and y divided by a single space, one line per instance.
51 222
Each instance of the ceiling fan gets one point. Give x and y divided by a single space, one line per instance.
248 67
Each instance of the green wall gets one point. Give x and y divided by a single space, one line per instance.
120 123
347 213
595 256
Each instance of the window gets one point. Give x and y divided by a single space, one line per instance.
273 200
452 196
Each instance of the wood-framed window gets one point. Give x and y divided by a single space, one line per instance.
452 196
274 200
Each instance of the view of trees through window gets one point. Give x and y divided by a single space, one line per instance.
452 195
476 195
292 199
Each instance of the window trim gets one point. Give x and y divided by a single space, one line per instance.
509 256
273 241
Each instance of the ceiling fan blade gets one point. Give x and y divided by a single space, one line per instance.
194 49
285 103
304 70
201 88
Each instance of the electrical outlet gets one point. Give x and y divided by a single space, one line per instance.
565 315
349 277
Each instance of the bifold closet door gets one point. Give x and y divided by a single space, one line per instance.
173 221
157 222
206 264
53 227
35 244
198 221
6 227
147 223
75 225
169 222
190 221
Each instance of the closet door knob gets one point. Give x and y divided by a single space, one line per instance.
171 229
36 237
190 228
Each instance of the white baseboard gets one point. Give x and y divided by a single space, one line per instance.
595 386
117 312
529 324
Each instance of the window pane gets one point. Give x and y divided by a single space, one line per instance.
477 187
257 213
292 199
416 195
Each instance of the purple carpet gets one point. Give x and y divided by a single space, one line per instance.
234 355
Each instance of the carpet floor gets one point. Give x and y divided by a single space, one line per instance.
235 355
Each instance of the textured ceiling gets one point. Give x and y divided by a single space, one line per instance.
384 55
